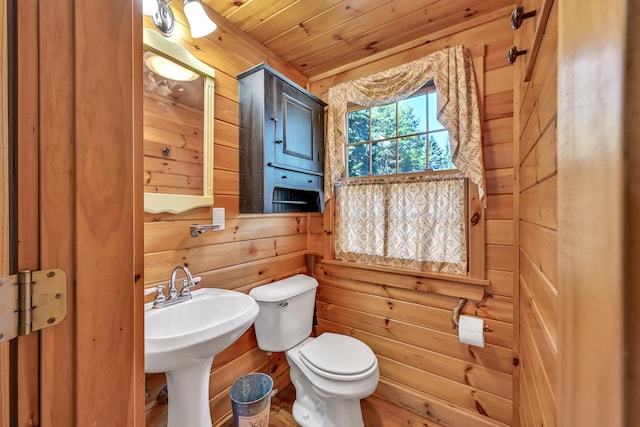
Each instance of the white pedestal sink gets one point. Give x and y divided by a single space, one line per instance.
182 340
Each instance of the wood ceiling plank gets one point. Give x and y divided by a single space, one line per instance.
316 37
323 23
386 21
225 7
252 13
358 44
290 18
407 52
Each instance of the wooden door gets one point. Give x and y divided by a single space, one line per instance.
4 204
299 130
79 209
12 372
597 158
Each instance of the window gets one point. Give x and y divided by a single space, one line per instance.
398 198
397 138
409 217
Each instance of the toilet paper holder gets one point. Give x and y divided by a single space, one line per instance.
455 316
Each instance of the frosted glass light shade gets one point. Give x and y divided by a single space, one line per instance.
149 7
199 22
169 69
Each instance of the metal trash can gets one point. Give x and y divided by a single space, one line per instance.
251 400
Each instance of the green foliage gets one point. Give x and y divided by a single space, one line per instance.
359 160
358 126
413 154
383 157
440 152
383 122
388 154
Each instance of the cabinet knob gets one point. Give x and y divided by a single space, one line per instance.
310 181
513 53
284 176
278 141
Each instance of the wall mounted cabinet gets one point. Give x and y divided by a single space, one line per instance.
281 144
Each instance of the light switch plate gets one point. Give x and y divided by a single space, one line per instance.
217 217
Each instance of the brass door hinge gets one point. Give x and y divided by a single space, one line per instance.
30 301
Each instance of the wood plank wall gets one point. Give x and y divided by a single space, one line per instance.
427 376
170 123
252 250
535 131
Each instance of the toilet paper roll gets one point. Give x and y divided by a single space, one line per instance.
471 331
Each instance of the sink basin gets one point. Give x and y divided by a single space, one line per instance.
180 334
182 340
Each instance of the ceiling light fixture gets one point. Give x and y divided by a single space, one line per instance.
200 23
149 7
164 20
169 69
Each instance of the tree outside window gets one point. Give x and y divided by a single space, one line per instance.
398 138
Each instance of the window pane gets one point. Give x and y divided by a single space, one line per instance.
413 154
412 115
383 122
440 152
383 158
358 160
358 126
434 124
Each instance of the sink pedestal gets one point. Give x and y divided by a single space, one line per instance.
181 340
188 392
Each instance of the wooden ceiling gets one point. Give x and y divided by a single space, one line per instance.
319 37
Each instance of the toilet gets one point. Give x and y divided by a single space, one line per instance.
330 373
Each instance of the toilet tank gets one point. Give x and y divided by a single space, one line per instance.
286 312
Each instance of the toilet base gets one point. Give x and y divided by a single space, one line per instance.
323 402
306 416
336 413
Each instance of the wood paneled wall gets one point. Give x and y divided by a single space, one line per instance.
170 122
252 250
427 376
535 131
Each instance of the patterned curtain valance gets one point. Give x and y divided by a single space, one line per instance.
451 70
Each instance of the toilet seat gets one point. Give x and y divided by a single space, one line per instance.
338 357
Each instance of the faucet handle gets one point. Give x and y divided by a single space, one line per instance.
188 284
160 294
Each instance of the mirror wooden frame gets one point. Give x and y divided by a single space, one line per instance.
178 203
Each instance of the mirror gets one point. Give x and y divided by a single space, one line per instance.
178 127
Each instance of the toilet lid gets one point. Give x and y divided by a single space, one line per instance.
335 356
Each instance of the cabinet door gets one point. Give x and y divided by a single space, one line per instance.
299 129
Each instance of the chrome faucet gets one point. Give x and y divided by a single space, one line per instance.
174 298
186 284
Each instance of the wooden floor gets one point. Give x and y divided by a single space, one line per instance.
281 405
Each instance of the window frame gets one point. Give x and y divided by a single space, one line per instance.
474 218
426 89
